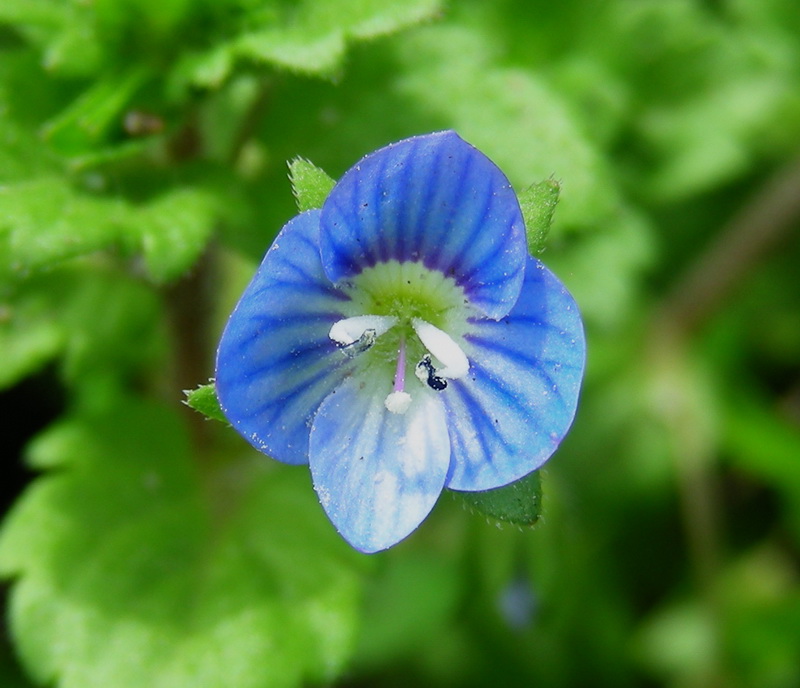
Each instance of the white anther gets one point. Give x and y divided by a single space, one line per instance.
444 348
398 402
351 330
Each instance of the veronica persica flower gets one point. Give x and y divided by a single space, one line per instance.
401 340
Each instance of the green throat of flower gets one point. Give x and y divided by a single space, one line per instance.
403 315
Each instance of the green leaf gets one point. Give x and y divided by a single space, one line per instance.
763 444
173 228
311 38
538 203
519 502
204 400
131 571
56 315
46 220
10 674
407 607
625 248
310 184
96 113
513 115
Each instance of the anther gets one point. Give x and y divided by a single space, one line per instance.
426 373
357 334
444 348
362 344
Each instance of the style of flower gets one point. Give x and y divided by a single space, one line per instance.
401 340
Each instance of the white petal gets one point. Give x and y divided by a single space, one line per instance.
350 330
443 347
377 474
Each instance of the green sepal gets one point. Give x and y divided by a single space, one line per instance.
538 203
519 502
204 400
310 184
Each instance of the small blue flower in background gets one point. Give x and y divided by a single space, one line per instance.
401 340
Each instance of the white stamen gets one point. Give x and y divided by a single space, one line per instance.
350 330
443 347
398 402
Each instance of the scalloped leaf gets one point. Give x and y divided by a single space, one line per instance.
132 571
46 220
311 38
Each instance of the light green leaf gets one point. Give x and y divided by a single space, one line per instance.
512 115
26 346
130 572
624 247
538 204
88 120
310 184
173 229
21 152
37 12
519 502
311 38
44 220
47 220
96 320
204 400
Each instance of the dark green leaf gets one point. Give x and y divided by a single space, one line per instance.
519 502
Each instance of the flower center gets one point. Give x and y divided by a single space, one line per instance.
401 315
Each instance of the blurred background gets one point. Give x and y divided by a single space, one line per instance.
143 150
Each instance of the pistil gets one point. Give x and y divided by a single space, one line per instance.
399 400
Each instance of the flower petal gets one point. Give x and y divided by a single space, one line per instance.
508 415
377 474
433 199
276 362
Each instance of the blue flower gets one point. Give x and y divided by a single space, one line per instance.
401 340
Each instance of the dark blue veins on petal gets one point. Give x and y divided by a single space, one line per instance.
533 363
276 362
296 357
268 410
521 392
433 199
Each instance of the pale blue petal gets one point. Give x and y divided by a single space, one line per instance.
432 199
275 362
511 411
377 474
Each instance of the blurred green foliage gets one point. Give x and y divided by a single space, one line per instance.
143 172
